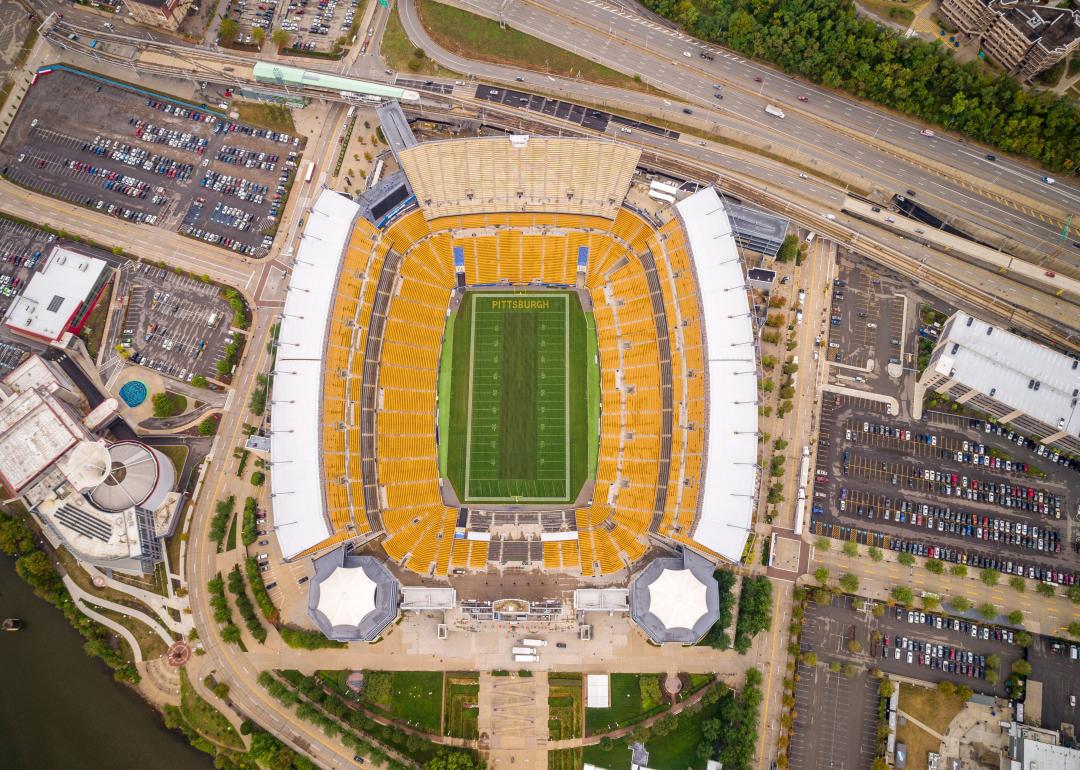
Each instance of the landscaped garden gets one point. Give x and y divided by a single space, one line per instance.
461 701
414 697
564 706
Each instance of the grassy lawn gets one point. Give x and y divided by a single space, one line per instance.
626 707
564 706
412 696
177 454
94 329
462 696
519 421
276 117
481 38
205 719
400 53
929 706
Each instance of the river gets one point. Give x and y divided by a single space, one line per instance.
59 708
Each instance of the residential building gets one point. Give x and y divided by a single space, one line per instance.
167 14
1024 38
1015 380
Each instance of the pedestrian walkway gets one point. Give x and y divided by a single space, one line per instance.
79 594
154 601
109 623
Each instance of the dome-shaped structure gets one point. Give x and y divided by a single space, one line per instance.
137 475
86 465
675 599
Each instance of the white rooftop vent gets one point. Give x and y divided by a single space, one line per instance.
519 140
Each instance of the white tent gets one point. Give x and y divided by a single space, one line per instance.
347 596
678 598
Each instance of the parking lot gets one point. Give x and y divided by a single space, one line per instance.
932 646
836 722
151 160
22 251
176 325
865 320
964 496
1053 664
314 25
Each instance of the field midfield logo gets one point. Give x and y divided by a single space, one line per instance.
521 304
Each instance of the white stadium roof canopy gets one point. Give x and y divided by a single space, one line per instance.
296 400
730 478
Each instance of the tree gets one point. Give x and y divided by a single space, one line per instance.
780 445
208 427
258 478
1045 589
258 34
903 595
886 688
1073 593
875 553
960 603
280 38
808 658
946 688
988 611
1016 617
958 570
822 543
1022 638
227 31
906 559
789 249
935 566
449 759
989 576
854 646
199 381
849 582
993 662
851 548
168 404
930 602
1017 584
1073 629
1021 667
821 575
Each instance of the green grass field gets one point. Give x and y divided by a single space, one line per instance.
519 427
462 697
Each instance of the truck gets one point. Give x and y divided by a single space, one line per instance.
534 642
774 111
522 651
212 320
526 658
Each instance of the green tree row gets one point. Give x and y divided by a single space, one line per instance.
826 42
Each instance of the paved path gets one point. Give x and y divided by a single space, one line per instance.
156 602
129 637
78 593
920 725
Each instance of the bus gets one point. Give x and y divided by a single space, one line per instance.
310 171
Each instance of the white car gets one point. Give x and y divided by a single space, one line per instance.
688 55
1049 180
926 132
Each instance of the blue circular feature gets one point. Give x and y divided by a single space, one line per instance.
133 393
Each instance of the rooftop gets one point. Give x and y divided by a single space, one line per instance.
34 433
54 295
1022 374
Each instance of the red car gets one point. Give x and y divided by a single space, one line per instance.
802 98
758 79
1050 274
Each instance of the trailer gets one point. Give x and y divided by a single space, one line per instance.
526 658
523 651
534 642
774 111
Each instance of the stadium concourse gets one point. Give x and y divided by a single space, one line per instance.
355 441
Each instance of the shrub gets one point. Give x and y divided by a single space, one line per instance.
208 427
257 478
169 404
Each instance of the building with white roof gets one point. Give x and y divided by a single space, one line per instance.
1015 380
109 504
58 299
1032 748
296 483
352 598
675 599
730 478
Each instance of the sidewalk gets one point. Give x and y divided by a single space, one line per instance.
79 594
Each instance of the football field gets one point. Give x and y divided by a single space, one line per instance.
518 435
518 406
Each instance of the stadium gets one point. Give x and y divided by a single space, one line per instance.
515 366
